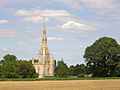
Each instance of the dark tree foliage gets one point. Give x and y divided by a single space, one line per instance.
10 67
103 57
9 57
79 69
61 69
25 69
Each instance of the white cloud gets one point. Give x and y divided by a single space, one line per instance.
35 19
38 41
99 4
49 39
6 33
33 42
36 15
22 43
69 3
66 3
107 8
3 21
46 13
4 49
73 39
80 46
75 27
54 39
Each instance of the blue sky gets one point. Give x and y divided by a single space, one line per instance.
72 25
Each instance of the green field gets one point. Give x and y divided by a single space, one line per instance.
45 79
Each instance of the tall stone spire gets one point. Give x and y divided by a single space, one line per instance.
44 28
45 64
44 37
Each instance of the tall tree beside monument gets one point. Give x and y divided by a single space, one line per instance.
103 57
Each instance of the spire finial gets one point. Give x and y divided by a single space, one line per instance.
44 20
44 28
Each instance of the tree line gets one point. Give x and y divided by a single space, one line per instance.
102 59
62 70
10 67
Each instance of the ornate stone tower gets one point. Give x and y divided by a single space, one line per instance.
45 64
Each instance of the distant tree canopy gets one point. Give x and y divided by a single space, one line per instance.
77 70
10 67
61 69
103 57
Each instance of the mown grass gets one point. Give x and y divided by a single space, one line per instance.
45 79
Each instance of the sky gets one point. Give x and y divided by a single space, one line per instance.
72 25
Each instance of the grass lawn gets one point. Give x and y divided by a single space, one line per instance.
53 79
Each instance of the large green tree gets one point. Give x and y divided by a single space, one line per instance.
61 69
8 66
103 57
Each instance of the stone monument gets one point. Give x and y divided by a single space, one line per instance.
45 63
